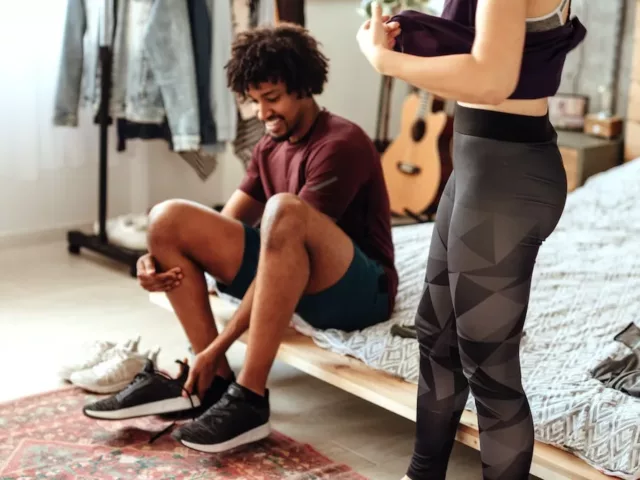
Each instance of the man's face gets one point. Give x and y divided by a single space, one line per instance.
280 111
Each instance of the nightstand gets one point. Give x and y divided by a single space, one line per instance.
584 155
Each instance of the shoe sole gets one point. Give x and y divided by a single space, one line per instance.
258 433
153 408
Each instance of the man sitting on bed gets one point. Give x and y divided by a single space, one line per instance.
323 249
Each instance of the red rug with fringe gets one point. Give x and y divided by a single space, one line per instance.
47 436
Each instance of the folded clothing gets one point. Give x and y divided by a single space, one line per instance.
623 374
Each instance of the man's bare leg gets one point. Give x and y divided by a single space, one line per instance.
196 239
302 251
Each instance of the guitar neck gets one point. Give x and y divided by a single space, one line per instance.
424 103
384 106
430 103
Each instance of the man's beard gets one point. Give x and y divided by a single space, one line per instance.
280 138
283 137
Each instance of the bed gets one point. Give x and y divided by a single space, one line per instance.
586 288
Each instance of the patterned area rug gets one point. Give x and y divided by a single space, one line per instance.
47 436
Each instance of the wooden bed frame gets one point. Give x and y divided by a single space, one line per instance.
393 393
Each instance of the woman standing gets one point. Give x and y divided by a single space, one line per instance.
500 60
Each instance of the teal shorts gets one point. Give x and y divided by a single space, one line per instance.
358 300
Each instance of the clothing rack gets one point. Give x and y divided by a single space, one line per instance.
99 243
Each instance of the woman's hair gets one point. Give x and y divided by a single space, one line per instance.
286 53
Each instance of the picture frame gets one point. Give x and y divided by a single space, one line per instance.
567 111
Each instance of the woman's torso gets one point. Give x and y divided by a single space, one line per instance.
539 15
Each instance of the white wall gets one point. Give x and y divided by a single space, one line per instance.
49 175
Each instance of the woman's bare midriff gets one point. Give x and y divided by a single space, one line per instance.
535 108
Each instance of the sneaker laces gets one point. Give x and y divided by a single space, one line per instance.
143 375
136 380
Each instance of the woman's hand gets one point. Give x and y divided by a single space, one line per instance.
375 35
201 374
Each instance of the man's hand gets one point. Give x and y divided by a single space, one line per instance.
156 282
201 374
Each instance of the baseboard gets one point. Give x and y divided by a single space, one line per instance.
39 237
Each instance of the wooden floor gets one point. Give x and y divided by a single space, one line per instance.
394 394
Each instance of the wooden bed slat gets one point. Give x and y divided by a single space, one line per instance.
393 393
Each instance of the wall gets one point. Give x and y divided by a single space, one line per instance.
592 63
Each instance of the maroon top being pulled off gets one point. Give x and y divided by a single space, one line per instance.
454 32
337 170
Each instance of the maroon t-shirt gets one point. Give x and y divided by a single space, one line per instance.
336 169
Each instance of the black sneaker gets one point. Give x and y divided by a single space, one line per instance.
214 393
150 393
240 417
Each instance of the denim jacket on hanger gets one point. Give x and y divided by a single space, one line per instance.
78 72
153 66
154 69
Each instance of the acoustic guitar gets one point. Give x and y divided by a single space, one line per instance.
417 163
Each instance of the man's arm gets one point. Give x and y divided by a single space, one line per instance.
247 202
335 173
493 64
238 324
245 205
244 208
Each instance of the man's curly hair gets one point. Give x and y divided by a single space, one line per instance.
286 53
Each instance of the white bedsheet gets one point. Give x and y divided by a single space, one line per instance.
586 288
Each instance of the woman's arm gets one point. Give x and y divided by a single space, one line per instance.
488 75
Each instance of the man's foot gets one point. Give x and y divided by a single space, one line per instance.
240 417
150 393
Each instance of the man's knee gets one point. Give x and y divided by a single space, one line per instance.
164 222
284 219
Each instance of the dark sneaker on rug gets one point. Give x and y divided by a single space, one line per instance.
240 417
150 393
214 393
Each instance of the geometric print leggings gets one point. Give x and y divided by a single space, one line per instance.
505 197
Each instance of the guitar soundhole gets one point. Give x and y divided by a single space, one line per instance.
408 168
418 130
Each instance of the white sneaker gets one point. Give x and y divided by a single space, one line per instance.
92 354
115 372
